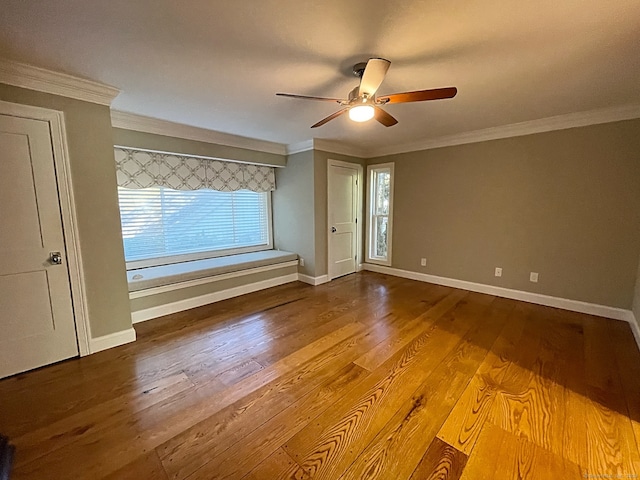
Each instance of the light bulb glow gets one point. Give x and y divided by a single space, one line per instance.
361 113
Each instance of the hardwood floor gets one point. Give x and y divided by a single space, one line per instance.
369 376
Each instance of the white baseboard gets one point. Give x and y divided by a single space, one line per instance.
161 310
537 298
634 322
112 340
313 280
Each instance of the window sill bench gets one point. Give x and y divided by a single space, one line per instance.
154 280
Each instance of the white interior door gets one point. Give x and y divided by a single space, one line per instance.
342 215
36 312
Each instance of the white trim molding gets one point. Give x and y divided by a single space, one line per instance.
186 304
68 210
116 339
315 281
203 281
56 83
634 323
299 147
327 146
339 148
141 123
537 298
558 122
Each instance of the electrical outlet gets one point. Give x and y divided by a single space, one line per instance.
498 272
533 277
423 262
301 262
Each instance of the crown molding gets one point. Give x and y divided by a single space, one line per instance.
56 83
339 148
326 146
558 122
140 123
300 147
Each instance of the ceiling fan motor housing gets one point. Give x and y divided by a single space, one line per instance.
358 69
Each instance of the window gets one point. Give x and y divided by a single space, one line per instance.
380 201
161 225
176 208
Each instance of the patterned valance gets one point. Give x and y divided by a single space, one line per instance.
140 169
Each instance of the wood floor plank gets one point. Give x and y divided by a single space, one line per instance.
327 447
274 466
265 386
186 452
50 438
88 384
499 455
534 406
465 422
611 445
399 446
381 353
238 419
167 421
262 442
163 352
628 361
514 391
441 461
146 467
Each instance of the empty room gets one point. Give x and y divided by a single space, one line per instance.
278 239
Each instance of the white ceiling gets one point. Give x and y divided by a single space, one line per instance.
217 64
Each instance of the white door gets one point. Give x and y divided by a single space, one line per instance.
36 315
342 215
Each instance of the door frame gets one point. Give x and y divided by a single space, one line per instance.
57 129
359 212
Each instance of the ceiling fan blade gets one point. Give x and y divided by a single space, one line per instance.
419 95
373 76
329 118
306 97
383 117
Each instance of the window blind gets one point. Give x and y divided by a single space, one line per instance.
161 223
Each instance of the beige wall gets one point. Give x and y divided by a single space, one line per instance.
636 298
565 204
199 290
293 209
94 186
131 138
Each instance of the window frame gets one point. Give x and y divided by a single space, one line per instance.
188 257
372 171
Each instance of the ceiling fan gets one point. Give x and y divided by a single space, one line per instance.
363 104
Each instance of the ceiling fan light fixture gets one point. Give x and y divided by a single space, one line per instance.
361 113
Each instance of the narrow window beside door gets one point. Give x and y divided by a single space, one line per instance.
380 201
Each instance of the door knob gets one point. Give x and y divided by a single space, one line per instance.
55 258
333 230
